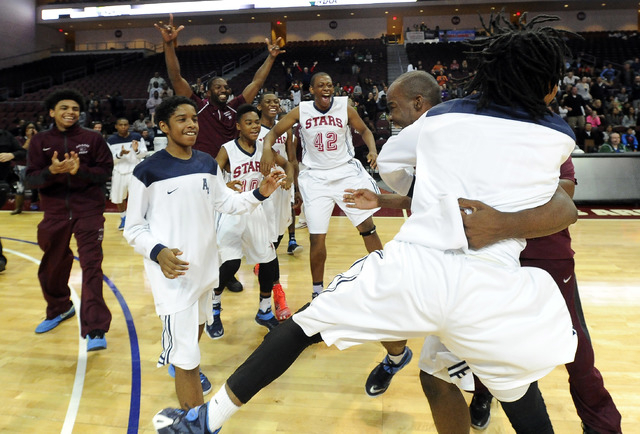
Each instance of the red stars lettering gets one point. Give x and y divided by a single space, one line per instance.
323 120
251 166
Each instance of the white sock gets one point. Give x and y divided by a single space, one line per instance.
265 303
123 214
318 288
220 409
397 359
217 298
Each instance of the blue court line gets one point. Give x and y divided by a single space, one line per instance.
134 404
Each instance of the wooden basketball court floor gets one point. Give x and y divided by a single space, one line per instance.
49 384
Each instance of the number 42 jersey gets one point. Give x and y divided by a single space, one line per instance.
325 136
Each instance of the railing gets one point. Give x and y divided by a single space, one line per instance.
228 68
37 84
72 74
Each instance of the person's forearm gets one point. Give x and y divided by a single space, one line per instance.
557 214
395 201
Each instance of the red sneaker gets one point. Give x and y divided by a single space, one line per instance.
282 310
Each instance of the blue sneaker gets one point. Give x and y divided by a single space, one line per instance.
267 319
50 324
215 330
380 378
206 384
175 420
122 221
97 343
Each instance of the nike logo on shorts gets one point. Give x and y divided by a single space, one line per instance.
45 149
567 279
169 192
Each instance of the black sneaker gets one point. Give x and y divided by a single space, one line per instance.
480 410
215 330
294 249
380 378
586 429
234 286
267 319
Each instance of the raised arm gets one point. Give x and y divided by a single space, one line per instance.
170 39
252 89
286 123
358 124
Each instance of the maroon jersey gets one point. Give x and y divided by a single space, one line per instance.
558 245
217 125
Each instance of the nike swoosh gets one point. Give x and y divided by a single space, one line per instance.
45 149
169 192
567 279
375 389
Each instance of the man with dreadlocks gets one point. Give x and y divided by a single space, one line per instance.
510 324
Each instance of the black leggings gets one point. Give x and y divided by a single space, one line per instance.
279 349
528 415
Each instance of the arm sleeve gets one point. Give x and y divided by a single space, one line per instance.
228 201
136 230
397 159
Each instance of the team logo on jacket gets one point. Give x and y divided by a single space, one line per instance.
82 148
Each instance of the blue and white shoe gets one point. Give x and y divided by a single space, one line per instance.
50 324
122 221
206 384
97 343
380 378
175 420
216 329
267 319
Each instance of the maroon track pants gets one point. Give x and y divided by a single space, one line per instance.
53 238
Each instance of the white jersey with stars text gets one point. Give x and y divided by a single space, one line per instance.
244 167
280 145
172 203
325 136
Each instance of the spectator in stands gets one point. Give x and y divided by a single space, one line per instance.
95 111
286 103
599 89
570 79
117 104
635 93
583 88
166 91
410 67
155 88
627 76
198 88
622 96
614 144
153 102
357 90
577 109
629 140
614 117
442 79
381 107
437 67
630 117
140 123
156 79
589 139
455 66
306 74
370 106
594 119
147 136
609 74
40 123
635 65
